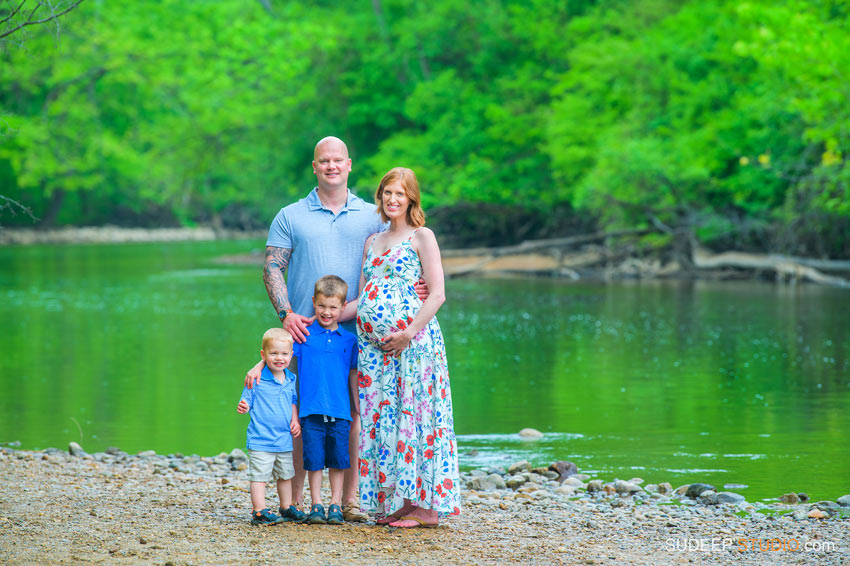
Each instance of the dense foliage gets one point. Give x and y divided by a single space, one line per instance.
729 120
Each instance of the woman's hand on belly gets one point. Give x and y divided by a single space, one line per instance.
395 342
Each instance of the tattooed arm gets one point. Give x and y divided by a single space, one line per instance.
277 262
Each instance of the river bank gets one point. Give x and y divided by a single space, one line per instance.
117 235
118 508
597 256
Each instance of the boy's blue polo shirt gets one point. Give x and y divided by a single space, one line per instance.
324 362
271 412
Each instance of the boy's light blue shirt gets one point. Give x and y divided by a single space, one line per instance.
325 360
323 243
271 412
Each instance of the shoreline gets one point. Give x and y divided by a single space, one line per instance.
589 257
118 235
118 508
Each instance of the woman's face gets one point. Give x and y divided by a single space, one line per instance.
394 200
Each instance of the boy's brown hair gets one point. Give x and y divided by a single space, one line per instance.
331 286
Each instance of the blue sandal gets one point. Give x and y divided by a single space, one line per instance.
317 515
335 515
265 517
293 515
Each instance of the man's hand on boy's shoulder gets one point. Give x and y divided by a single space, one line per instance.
297 324
243 407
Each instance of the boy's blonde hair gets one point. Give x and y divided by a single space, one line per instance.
279 334
331 286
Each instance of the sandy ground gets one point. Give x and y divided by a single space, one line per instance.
58 509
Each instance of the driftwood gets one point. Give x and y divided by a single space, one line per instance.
546 257
530 246
791 269
597 255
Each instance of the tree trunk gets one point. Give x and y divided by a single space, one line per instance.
53 207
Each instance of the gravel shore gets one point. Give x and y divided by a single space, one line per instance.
116 508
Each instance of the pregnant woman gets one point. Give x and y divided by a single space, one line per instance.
408 453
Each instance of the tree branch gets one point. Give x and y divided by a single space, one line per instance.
12 204
30 22
15 11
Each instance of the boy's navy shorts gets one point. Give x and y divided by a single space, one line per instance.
325 443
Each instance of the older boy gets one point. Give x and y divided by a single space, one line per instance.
274 422
327 371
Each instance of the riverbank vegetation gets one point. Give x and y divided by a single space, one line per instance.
722 123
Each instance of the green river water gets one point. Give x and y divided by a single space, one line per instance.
145 346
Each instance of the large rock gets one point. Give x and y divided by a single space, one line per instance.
829 507
515 481
681 490
708 497
730 497
530 434
75 449
536 478
483 484
844 500
518 467
626 487
594 485
790 498
497 480
695 489
664 488
564 469
237 455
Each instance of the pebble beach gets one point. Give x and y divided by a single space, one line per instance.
70 507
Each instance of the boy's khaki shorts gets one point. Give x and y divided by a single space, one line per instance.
266 466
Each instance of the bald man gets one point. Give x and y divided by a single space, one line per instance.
321 234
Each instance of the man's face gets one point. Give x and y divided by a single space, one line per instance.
332 165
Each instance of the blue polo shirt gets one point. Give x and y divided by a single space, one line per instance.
324 362
271 412
323 243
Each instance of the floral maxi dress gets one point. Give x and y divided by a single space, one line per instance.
407 443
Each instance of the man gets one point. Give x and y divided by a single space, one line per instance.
320 235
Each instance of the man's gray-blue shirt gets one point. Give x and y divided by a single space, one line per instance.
322 243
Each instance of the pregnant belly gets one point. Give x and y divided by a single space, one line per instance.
383 308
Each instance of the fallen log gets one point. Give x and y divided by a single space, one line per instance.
529 246
784 267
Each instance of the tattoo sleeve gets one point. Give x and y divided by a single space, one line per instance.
277 261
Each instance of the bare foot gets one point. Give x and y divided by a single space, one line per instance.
406 509
417 518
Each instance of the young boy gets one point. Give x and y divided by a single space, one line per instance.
327 373
274 421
